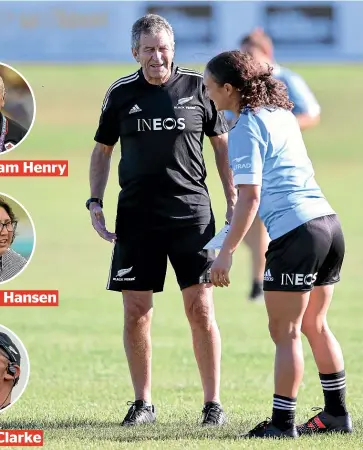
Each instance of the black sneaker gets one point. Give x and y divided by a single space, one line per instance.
267 430
213 414
324 422
256 293
139 413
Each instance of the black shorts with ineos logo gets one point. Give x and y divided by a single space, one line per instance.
307 256
139 259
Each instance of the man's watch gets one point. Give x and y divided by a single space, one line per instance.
94 200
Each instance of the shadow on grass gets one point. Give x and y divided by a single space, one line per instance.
174 431
112 431
98 430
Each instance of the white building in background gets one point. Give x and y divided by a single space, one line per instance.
100 31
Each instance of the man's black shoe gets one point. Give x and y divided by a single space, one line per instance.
139 413
213 414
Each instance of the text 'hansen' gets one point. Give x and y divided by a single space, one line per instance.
29 298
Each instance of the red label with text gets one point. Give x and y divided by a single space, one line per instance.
34 168
29 298
23 438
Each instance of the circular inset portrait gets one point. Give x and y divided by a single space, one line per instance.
17 108
14 368
17 238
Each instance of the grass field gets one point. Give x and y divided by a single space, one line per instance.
79 382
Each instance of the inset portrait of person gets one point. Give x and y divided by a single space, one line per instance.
14 368
14 256
17 108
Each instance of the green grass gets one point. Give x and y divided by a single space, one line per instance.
79 381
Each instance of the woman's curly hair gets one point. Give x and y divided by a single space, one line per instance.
257 87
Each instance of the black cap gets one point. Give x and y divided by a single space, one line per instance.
11 350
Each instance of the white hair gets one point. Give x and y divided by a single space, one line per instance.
149 24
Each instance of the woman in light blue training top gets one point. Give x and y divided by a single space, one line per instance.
307 111
274 176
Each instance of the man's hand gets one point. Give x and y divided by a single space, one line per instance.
99 224
220 270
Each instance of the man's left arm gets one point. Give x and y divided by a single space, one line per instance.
220 147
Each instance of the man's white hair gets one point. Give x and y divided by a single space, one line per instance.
150 24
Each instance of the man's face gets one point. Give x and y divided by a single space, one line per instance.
3 366
4 375
6 236
155 54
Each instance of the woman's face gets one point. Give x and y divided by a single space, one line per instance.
224 97
6 236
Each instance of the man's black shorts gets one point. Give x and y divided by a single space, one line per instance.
307 256
139 258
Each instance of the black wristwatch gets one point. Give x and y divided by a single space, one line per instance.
94 200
